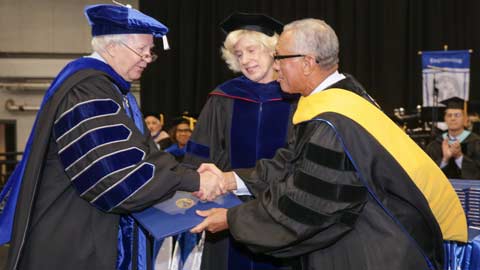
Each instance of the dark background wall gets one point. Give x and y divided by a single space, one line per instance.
379 41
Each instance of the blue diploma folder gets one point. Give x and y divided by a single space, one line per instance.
177 214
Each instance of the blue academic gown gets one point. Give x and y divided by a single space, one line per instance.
87 165
242 122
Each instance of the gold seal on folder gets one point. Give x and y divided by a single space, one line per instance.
184 203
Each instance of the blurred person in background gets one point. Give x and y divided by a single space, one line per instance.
154 124
180 134
456 151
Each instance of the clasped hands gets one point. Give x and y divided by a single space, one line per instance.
213 182
453 150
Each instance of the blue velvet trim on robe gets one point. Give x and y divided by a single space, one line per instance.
82 113
259 122
198 149
133 111
258 129
92 140
107 165
125 238
126 187
259 126
243 88
176 151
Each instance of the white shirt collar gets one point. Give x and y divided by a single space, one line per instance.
96 56
333 78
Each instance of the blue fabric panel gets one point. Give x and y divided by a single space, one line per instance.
273 128
175 151
243 88
142 250
105 166
125 242
9 195
91 140
137 114
125 187
83 112
258 130
198 149
244 131
474 259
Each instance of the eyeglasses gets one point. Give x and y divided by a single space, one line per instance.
454 115
277 57
145 57
184 130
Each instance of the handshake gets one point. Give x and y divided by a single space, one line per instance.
214 182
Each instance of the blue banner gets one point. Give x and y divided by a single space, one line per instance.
445 74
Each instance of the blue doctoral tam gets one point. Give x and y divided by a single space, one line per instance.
115 19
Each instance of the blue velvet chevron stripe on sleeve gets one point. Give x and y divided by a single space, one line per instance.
125 188
82 112
105 166
91 140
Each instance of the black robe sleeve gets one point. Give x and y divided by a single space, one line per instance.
471 157
110 163
276 169
312 205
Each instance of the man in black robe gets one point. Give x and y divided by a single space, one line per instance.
456 151
352 191
90 161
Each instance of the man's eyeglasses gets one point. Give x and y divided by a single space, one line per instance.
280 57
145 57
454 115
184 130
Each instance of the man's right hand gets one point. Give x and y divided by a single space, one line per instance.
228 177
211 186
446 151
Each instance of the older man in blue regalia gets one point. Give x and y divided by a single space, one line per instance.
89 161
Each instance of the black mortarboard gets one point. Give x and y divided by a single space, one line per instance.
185 117
151 113
454 103
159 116
116 19
249 21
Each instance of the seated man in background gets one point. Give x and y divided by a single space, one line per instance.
456 151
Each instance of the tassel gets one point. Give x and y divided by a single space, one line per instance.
165 43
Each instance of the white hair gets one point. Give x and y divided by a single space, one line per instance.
315 37
268 44
100 43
